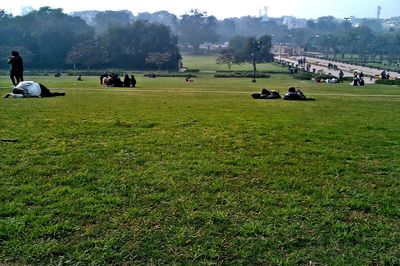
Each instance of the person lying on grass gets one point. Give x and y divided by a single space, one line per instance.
266 94
296 94
27 89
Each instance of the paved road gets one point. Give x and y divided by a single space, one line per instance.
321 64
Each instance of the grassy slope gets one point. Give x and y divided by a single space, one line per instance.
174 172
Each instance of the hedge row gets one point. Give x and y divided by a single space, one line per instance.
251 71
170 75
388 81
241 75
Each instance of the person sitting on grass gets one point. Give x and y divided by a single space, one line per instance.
293 94
127 81
27 89
189 78
133 81
361 81
108 81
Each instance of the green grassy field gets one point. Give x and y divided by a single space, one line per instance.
200 173
208 63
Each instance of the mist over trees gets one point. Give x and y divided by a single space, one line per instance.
49 38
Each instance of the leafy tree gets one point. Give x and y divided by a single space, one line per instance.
327 24
327 42
391 45
158 59
250 26
4 16
160 17
380 45
244 48
48 34
196 28
226 57
374 24
364 38
346 24
226 29
87 53
350 37
311 24
252 50
130 45
238 45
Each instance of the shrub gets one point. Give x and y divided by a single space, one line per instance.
388 82
348 78
169 75
241 75
303 76
251 72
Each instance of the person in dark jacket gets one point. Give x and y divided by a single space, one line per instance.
133 81
127 81
16 68
296 94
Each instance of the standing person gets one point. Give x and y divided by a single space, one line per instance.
341 74
355 79
16 68
383 74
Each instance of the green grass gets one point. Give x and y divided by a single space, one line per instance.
208 63
200 173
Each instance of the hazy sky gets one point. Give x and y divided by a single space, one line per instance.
224 8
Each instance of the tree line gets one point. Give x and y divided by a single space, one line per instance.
49 38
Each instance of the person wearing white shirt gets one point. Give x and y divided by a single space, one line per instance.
27 89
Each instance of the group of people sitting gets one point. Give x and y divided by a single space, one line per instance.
358 79
113 80
385 75
291 94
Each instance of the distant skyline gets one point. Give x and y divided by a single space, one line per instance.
225 8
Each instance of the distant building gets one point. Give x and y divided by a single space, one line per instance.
213 47
294 23
264 14
282 50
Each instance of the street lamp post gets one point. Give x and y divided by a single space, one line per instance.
256 46
305 47
365 56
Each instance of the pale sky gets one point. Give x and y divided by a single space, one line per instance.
224 8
